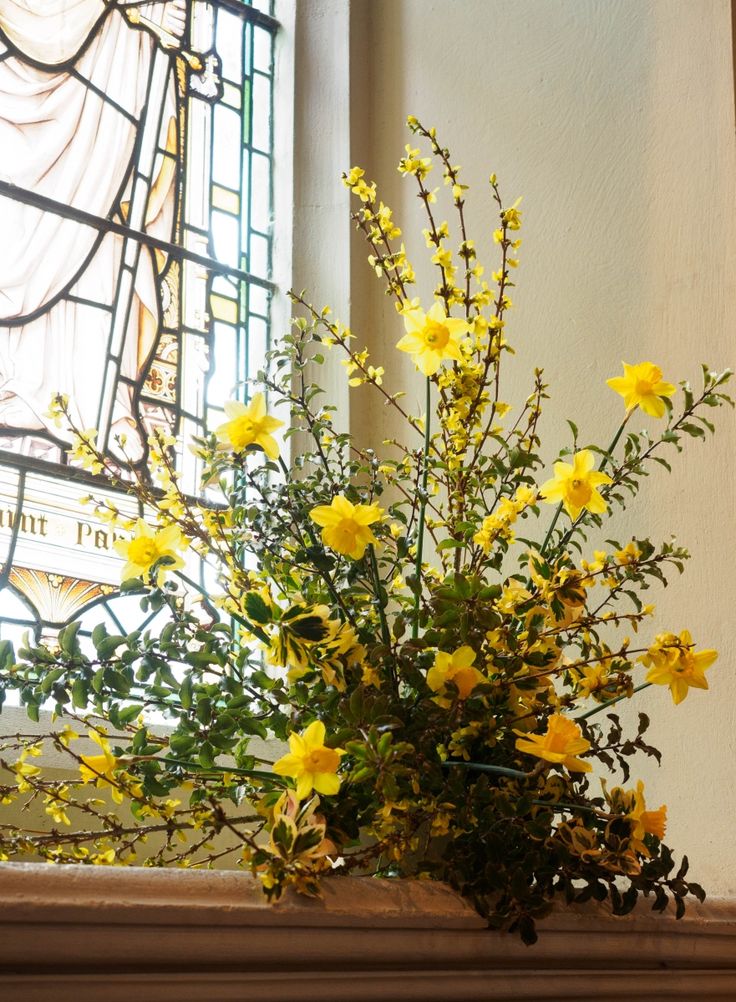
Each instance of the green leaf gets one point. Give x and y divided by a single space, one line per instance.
98 634
262 680
204 710
451 544
130 713
108 645
80 693
50 678
256 608
68 638
206 755
181 744
98 680
694 430
7 655
185 692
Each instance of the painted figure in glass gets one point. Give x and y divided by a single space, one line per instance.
87 119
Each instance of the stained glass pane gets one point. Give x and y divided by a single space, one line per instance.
135 208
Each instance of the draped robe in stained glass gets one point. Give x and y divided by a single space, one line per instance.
74 89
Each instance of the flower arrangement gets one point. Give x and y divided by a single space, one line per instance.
428 628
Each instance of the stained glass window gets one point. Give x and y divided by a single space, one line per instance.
135 258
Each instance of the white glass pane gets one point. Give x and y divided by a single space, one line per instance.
261 135
259 256
229 44
222 381
226 148
225 237
258 301
260 206
224 286
262 48
257 344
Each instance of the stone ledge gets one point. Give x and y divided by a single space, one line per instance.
87 933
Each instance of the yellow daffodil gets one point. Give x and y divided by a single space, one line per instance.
456 668
100 769
146 547
672 661
432 338
249 425
345 526
310 763
575 485
644 822
642 386
561 744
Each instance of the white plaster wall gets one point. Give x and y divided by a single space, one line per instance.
614 119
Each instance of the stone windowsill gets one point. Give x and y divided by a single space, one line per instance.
118 934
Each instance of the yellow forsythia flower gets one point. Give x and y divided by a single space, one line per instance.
249 425
146 547
83 451
310 763
345 526
512 216
456 668
561 744
590 679
354 180
432 338
629 555
575 485
642 386
100 769
672 661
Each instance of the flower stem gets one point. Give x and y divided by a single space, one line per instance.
610 702
559 805
551 529
385 633
501 770
196 768
614 441
422 507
